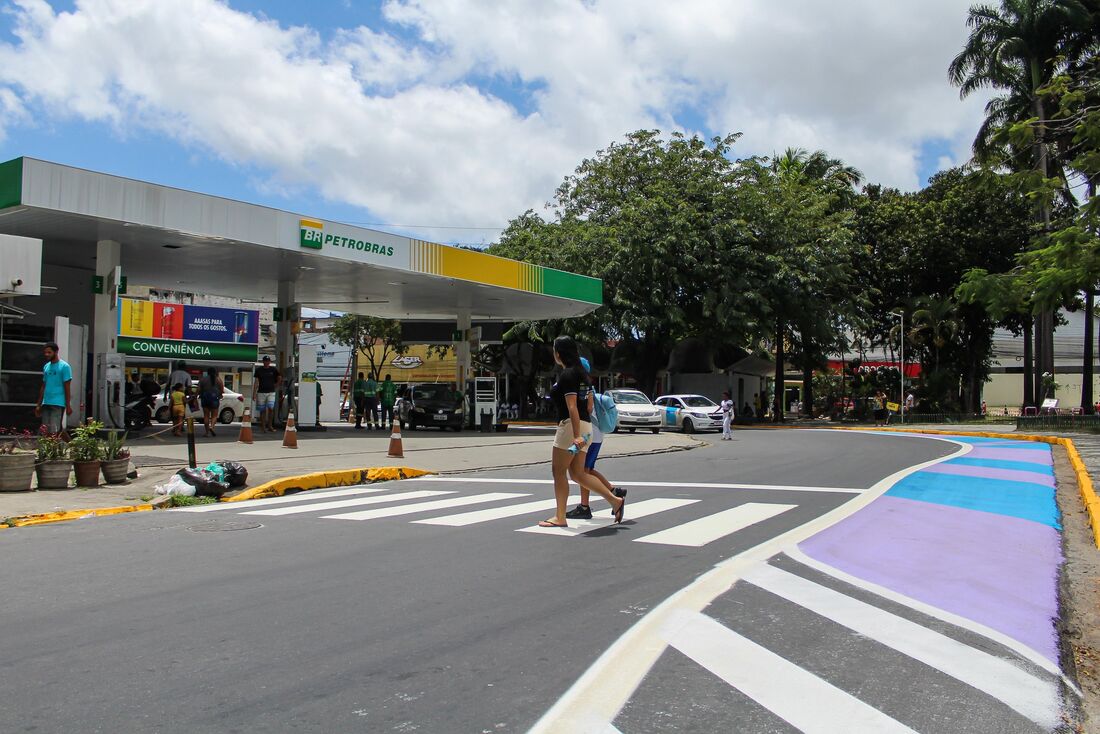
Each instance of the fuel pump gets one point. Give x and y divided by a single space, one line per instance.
111 391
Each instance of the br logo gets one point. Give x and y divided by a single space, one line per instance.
312 233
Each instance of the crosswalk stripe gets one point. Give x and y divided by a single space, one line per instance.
794 694
1034 698
426 506
661 485
634 510
354 502
313 495
495 513
698 533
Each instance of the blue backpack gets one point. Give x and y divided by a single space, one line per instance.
607 414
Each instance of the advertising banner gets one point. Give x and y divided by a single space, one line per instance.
178 330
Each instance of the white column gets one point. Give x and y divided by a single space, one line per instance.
108 258
462 352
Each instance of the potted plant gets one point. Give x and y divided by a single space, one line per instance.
86 451
16 461
54 465
116 458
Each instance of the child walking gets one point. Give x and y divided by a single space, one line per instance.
583 511
179 400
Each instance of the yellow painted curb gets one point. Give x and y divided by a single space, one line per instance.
49 517
1084 481
326 480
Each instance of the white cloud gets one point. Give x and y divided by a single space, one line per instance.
373 119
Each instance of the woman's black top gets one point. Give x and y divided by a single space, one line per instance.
573 380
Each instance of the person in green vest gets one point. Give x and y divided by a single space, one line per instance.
359 397
389 397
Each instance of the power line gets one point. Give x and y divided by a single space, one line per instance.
423 226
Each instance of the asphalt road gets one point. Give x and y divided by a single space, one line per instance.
294 620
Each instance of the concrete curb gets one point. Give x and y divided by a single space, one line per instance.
50 517
1084 481
326 480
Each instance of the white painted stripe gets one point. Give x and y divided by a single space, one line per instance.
943 615
698 533
634 510
663 485
496 513
426 506
312 495
794 694
1031 696
354 502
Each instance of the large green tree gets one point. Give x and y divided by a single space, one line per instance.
376 338
1017 48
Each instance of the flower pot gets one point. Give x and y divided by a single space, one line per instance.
87 473
16 471
114 470
54 474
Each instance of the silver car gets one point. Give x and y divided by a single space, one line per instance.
690 413
635 411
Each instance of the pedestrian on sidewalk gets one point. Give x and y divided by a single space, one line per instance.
569 397
388 394
211 390
880 408
263 394
583 511
359 396
373 393
180 375
179 401
727 416
55 393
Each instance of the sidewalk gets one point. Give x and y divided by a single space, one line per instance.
340 447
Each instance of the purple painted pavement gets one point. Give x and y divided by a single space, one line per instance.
997 570
984 472
1031 456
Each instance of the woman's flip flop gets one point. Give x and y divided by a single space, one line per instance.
552 524
619 512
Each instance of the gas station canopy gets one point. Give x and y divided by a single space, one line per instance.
180 240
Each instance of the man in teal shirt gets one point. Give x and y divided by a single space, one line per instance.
54 397
389 397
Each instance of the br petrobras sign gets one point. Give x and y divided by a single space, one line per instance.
317 235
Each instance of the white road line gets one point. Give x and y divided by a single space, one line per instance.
663 485
496 513
311 495
970 625
634 510
354 502
794 694
1031 696
426 506
698 533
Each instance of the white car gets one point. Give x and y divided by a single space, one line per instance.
230 410
635 411
690 413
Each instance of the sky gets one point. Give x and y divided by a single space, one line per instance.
445 119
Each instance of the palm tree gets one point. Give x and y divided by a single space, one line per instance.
1018 48
934 326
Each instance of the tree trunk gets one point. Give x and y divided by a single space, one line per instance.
808 390
1044 328
1029 367
777 410
1087 358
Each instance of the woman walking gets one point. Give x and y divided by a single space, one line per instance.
211 389
570 399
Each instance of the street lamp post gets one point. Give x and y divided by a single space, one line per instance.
901 337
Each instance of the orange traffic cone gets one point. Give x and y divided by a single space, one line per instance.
290 436
246 427
395 451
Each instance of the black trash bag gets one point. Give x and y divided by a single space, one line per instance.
205 482
235 473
